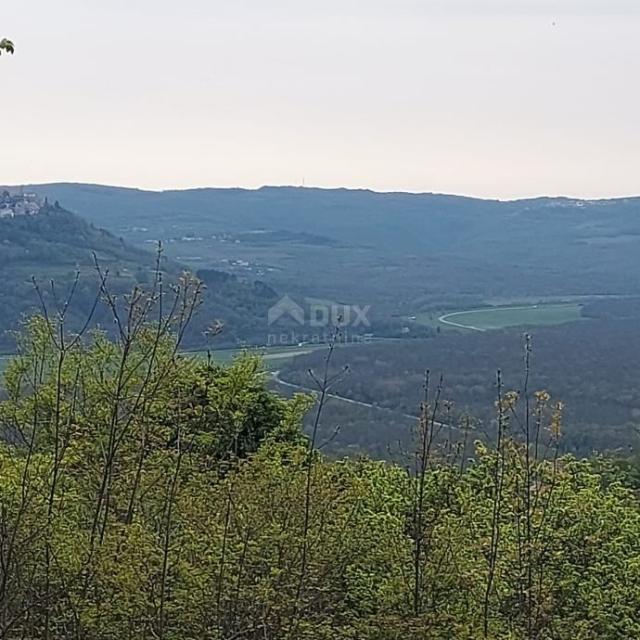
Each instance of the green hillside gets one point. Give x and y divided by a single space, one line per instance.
436 251
55 245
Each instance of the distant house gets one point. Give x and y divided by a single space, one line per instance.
24 204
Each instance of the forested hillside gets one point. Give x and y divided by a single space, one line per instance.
393 250
54 246
145 494
57 246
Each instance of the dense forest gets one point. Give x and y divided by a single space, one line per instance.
145 494
591 365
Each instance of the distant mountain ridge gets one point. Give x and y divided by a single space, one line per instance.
396 221
382 248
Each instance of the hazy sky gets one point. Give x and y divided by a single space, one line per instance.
484 97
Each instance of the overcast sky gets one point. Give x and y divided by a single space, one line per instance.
482 97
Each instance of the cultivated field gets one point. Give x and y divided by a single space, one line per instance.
503 317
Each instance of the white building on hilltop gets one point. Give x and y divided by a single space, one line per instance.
24 204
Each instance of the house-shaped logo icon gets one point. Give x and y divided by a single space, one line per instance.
286 307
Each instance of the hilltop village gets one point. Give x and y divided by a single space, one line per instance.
23 204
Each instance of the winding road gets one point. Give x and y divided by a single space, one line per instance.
275 375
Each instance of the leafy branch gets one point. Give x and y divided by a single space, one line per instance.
6 45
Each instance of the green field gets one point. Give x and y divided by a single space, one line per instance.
272 356
503 317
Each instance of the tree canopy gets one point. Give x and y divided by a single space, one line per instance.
145 494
